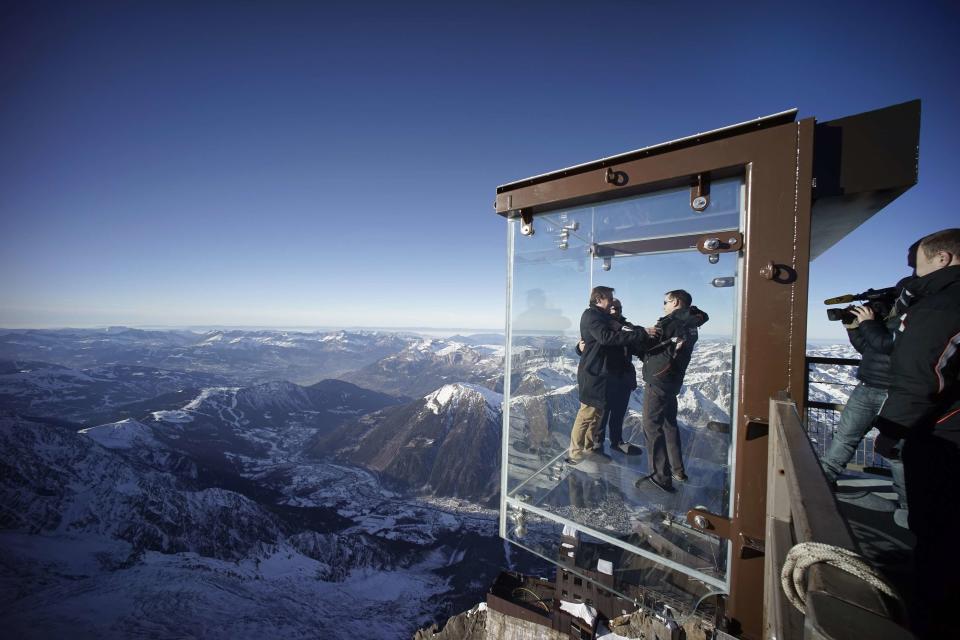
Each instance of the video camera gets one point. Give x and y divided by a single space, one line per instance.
880 301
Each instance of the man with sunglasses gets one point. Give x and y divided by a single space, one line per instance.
664 366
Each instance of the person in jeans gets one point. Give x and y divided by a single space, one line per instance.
873 338
621 381
599 332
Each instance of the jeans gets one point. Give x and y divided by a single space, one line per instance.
862 407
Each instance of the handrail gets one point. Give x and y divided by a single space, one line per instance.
801 508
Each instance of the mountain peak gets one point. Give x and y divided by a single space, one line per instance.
458 392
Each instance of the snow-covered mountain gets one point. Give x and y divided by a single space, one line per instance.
430 363
59 482
446 443
89 395
209 486
241 430
93 543
245 357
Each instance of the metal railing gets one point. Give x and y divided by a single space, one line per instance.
823 415
801 508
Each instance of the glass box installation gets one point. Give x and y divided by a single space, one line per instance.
642 246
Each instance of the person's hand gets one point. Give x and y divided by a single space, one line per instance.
582 345
653 332
863 313
853 324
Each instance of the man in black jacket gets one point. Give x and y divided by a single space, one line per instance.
923 408
664 366
598 330
873 338
621 382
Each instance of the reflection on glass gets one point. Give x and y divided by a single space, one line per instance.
636 578
551 274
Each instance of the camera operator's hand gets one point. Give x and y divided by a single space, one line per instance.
860 314
653 332
863 314
582 346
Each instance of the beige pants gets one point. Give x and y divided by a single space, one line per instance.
586 431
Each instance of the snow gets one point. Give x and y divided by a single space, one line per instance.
579 610
209 395
176 417
121 435
449 394
60 580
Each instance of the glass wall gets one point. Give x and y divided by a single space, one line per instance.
643 247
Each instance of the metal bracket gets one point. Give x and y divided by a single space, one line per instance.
709 523
700 193
752 547
616 178
726 242
526 222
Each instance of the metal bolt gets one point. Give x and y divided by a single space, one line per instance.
714 258
711 244
699 203
701 522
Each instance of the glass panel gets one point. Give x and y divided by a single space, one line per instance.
634 577
550 288
552 273
668 213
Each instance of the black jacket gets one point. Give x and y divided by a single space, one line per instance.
924 392
665 363
874 340
599 330
619 363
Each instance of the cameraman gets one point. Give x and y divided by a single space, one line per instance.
873 338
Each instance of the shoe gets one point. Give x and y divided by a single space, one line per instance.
573 461
668 488
628 449
680 476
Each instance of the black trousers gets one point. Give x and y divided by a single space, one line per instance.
932 468
664 455
618 398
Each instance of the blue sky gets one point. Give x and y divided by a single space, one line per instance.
303 163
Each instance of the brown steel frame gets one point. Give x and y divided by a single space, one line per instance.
777 162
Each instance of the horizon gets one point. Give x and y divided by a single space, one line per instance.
428 332
307 166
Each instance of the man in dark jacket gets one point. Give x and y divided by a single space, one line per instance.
923 408
598 330
621 382
873 338
664 366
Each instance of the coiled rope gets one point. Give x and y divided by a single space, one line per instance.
793 576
